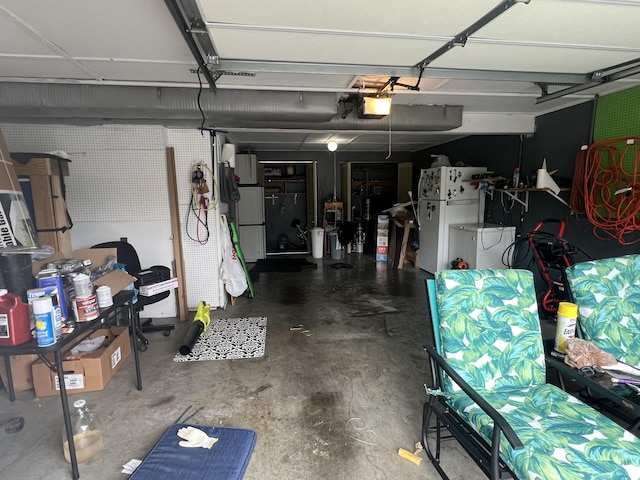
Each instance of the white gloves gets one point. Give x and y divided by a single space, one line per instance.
194 437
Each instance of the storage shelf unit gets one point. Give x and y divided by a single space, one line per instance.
289 203
514 193
283 185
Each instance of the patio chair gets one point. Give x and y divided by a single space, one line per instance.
607 292
489 388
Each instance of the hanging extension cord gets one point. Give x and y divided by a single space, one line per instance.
194 185
199 204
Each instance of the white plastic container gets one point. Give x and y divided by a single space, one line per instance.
82 285
317 242
566 325
105 299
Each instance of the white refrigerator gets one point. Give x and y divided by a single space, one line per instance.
446 197
250 221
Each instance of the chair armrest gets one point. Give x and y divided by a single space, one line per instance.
500 424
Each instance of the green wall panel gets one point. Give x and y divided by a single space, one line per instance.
618 115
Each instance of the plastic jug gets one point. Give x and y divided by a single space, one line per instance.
14 320
87 435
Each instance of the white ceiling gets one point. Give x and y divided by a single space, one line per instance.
331 47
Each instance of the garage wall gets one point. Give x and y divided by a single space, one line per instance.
117 187
558 139
201 261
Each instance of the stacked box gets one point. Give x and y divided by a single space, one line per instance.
382 238
155 288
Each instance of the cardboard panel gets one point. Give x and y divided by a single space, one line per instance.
20 372
16 227
117 280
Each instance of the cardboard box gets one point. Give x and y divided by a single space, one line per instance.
91 371
16 226
382 241
155 288
20 372
117 280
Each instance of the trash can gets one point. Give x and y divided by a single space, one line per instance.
15 274
333 246
317 242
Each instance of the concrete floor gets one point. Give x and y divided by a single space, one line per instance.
333 404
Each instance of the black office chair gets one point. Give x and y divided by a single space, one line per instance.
129 257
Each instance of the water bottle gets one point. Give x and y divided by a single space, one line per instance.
360 239
87 435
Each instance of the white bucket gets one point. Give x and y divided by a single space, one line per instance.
317 242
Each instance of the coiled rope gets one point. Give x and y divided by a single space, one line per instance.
607 179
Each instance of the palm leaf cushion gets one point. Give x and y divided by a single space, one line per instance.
490 334
607 293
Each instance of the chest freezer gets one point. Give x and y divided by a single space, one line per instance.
481 245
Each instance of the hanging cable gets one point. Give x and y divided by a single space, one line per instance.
199 104
389 154
200 222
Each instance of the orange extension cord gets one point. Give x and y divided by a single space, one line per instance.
606 188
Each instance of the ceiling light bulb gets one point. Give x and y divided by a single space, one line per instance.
332 146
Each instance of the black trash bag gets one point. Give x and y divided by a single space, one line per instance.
414 239
229 192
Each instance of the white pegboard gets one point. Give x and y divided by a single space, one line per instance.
117 172
122 186
118 176
201 262
77 140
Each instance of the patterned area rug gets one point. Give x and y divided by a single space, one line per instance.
228 339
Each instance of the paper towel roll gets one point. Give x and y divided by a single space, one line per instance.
229 154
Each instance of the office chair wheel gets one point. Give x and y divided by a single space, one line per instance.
142 347
166 333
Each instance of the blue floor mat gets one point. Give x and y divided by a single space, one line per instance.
226 460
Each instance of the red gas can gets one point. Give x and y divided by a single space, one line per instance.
14 320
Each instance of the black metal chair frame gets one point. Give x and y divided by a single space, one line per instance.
485 455
128 255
